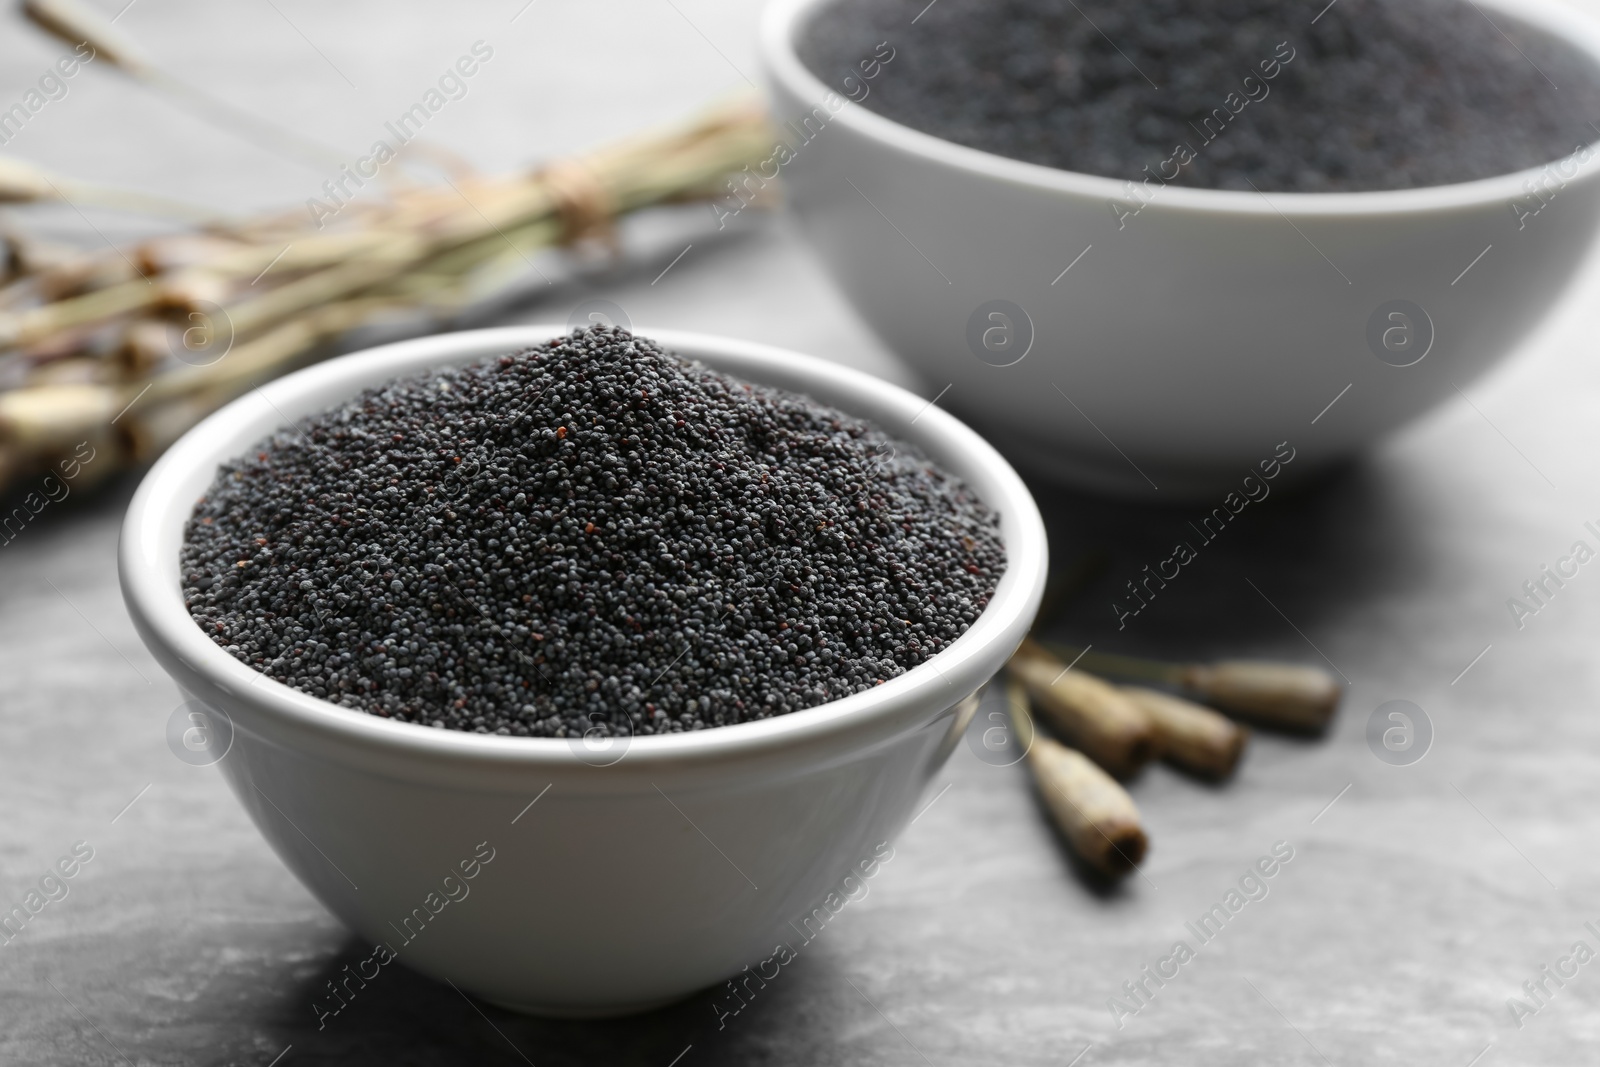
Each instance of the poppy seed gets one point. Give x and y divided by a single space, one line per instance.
592 533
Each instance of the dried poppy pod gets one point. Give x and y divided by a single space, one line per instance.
1090 714
1280 694
1193 737
1095 814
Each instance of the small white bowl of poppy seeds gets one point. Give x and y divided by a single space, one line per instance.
1147 241
672 629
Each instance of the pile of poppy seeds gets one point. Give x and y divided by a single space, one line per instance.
1232 94
591 534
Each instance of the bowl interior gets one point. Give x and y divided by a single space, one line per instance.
154 530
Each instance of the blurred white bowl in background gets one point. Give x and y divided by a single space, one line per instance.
1190 338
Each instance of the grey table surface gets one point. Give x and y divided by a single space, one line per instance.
1419 899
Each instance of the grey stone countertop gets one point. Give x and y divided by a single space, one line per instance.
1418 900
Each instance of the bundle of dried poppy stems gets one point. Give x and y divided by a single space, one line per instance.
128 347
125 348
1108 732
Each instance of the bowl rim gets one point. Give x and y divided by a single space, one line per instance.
921 693
784 20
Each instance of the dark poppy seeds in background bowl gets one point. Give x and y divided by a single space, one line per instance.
1366 95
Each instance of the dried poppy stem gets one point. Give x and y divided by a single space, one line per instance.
1285 695
1095 814
1112 665
1090 714
77 23
53 417
24 183
1191 736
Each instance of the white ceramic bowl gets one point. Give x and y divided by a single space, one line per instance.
634 880
1191 338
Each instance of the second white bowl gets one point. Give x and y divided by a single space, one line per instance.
1162 342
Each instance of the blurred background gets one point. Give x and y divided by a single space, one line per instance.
1421 896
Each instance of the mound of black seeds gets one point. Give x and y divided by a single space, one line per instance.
1368 94
590 533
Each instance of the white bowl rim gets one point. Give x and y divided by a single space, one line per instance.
161 611
783 18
